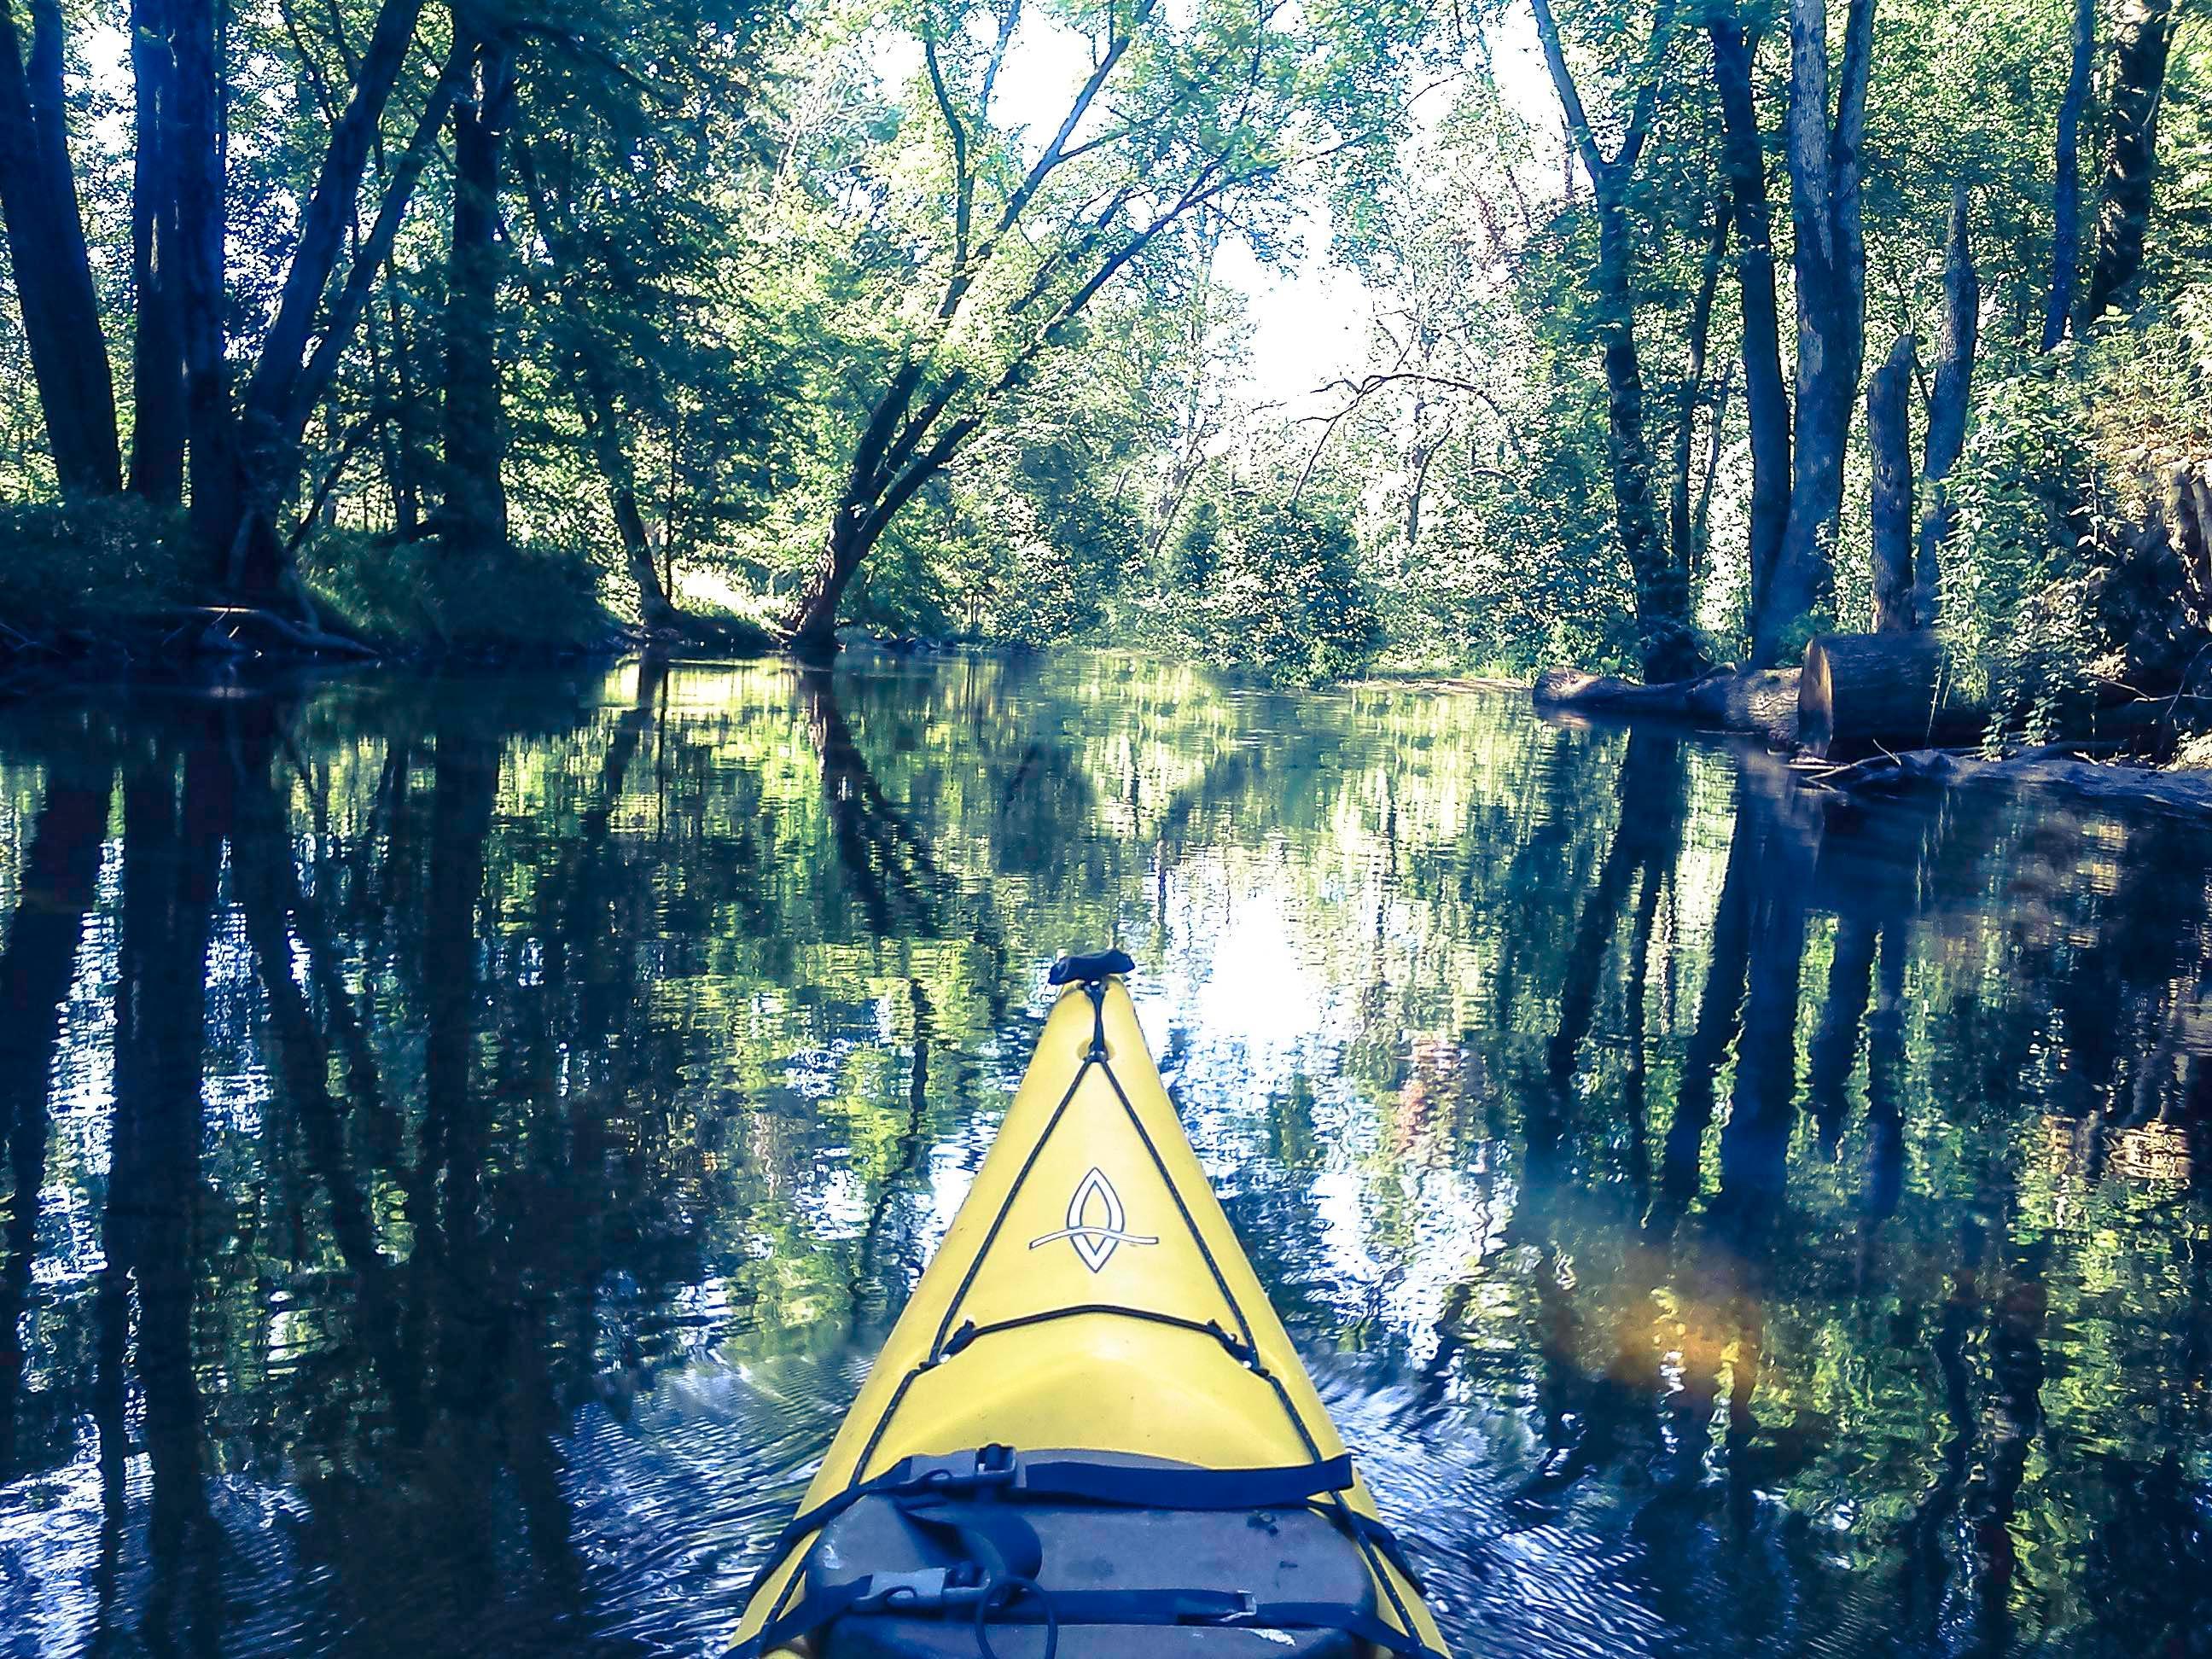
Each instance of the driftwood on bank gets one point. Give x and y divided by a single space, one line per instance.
186 638
244 631
1760 701
2061 766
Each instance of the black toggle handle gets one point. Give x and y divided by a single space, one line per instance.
1090 970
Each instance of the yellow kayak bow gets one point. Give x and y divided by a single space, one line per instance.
1088 1433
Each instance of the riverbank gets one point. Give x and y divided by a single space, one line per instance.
111 590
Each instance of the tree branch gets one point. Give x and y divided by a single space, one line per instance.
1054 152
329 208
1603 171
1006 27
963 188
308 389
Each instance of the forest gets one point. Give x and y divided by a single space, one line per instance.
1686 332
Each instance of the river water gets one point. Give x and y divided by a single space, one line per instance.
464 1137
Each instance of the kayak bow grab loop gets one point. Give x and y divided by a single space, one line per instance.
1091 972
1091 968
1171 1464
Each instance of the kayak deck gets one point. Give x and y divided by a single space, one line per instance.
1090 1294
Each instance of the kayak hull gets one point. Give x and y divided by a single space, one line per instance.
1090 1293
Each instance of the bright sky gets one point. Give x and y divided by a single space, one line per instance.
1310 326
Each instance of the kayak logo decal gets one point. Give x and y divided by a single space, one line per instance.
1094 1240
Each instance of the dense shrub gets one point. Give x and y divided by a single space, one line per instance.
419 591
1266 586
2063 578
64 568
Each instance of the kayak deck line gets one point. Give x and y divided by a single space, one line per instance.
971 1332
779 1595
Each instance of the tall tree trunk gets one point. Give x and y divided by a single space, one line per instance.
1667 646
2066 185
592 386
2142 39
886 473
1681 515
1668 650
258 443
1765 394
387 371
328 212
52 266
1830 256
654 606
1948 398
203 292
285 393
813 626
476 433
1889 436
157 428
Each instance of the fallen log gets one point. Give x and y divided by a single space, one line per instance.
1763 701
1570 688
1863 692
1760 700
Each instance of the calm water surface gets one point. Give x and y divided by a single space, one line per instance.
464 1139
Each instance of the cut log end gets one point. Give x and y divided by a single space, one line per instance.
1864 692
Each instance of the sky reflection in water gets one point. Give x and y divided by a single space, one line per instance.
488 1123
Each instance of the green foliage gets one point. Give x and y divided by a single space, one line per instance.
82 566
2062 576
522 596
730 226
1282 595
1288 593
2014 581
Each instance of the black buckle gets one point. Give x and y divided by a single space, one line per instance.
990 1465
932 1587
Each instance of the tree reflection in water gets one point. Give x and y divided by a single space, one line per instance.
463 1137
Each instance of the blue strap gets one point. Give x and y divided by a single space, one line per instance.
1138 1606
997 1468
1140 1488
992 1466
1383 1540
